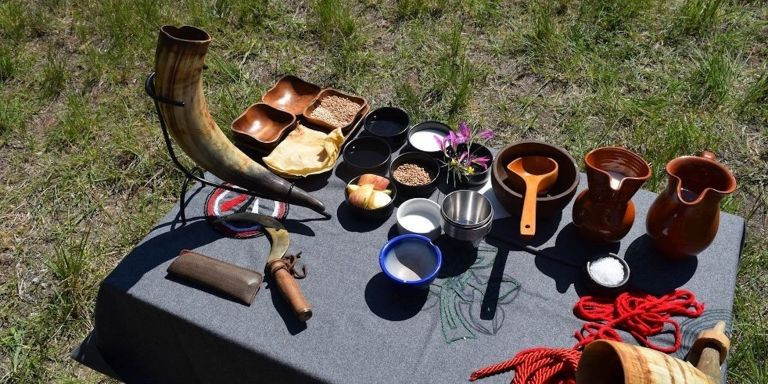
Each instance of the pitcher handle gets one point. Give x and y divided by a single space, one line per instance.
708 155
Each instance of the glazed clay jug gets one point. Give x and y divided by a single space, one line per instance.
604 212
684 218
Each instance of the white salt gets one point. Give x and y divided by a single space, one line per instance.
424 140
607 271
417 223
616 179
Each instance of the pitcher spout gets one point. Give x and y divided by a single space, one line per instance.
615 173
684 219
700 179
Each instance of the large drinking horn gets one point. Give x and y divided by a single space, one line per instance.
179 67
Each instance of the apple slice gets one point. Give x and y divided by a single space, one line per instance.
379 183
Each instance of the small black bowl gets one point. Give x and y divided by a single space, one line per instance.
479 178
429 163
378 213
368 155
428 125
389 123
606 289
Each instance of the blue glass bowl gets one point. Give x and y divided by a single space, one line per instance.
411 260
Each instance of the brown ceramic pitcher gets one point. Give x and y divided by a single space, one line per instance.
604 212
684 219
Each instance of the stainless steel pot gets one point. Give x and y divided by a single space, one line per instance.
467 216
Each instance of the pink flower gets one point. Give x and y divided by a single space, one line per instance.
464 132
481 161
486 134
441 142
453 139
463 156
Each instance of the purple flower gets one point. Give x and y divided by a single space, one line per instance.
486 134
441 142
481 161
453 140
463 156
464 132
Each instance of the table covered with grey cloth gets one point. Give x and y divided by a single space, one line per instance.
486 304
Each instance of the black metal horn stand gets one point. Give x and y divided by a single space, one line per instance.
149 87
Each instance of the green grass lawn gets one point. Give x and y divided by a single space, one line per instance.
84 173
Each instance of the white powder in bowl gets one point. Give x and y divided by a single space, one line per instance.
607 271
425 140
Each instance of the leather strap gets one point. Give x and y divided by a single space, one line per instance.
290 263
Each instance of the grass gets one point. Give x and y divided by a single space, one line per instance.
712 80
698 16
85 175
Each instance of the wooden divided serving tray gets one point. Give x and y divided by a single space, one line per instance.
291 101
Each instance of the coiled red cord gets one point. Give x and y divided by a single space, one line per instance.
642 315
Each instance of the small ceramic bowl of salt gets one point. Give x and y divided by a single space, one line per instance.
424 136
419 216
607 273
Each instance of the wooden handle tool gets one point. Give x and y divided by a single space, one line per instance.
291 290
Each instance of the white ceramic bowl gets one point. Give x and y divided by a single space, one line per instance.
419 216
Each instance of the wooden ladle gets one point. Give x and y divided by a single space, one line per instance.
535 174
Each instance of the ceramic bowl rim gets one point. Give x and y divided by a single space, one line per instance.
419 127
398 239
426 157
416 200
398 134
564 193
362 139
623 263
262 104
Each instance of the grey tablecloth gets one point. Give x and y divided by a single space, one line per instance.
488 304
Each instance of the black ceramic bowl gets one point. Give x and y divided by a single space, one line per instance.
430 146
378 213
481 176
429 163
389 123
594 283
367 155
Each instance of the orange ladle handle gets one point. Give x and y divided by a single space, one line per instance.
528 216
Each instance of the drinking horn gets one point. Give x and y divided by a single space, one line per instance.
178 76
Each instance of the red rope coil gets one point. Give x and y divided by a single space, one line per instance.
641 314
537 365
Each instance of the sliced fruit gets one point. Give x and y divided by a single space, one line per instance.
379 183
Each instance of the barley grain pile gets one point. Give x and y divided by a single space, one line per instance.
336 111
411 174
